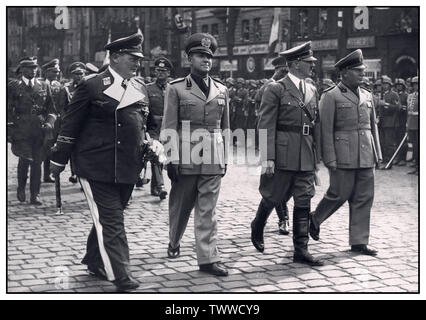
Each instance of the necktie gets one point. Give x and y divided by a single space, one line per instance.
301 89
124 84
30 84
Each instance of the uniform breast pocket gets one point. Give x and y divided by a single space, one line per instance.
287 101
282 150
186 108
342 149
345 111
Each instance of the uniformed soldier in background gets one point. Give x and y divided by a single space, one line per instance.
289 113
240 104
281 70
91 69
413 122
388 120
156 92
51 72
232 91
402 122
31 116
349 151
196 102
103 129
77 71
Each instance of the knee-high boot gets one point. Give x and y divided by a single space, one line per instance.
258 224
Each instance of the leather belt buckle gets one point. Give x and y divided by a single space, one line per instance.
305 129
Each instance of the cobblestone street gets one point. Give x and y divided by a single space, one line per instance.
45 250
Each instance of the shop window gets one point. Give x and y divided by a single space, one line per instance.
205 28
257 29
215 30
322 20
246 30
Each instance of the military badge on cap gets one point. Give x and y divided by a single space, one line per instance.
206 42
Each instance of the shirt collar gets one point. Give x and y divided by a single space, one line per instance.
295 79
115 75
28 80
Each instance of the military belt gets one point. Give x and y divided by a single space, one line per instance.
306 130
210 128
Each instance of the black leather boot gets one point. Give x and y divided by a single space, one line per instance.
282 213
301 238
258 224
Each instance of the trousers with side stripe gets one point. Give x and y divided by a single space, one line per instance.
107 245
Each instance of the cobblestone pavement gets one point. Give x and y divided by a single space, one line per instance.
45 250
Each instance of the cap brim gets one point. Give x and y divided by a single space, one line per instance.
201 50
309 59
361 67
162 69
136 54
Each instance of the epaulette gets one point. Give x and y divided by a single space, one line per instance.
140 80
177 80
329 88
217 80
343 89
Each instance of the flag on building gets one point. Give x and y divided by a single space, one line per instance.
106 59
275 28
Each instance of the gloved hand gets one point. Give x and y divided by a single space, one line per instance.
55 169
173 172
332 166
268 168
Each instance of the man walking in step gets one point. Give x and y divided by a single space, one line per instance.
289 113
104 129
281 70
196 103
349 151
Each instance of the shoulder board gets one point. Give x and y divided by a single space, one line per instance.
343 89
177 80
217 80
328 89
90 76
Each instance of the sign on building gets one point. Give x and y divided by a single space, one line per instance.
225 65
373 68
361 42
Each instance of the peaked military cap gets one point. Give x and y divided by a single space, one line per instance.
241 80
230 81
163 64
386 79
415 80
301 52
130 45
353 60
400 81
279 62
51 65
77 67
91 68
201 42
378 82
27 62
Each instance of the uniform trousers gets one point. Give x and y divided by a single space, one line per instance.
357 187
388 142
156 175
198 192
107 245
413 136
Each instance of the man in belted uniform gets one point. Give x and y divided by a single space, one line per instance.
77 71
196 106
156 92
289 113
388 119
349 151
232 91
51 71
240 102
31 116
402 122
281 70
104 130
413 122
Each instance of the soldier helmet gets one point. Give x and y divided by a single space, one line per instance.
400 81
230 80
253 83
163 64
378 82
415 80
201 42
386 79
241 80
130 45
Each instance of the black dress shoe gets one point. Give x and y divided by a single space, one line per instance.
20 194
126 284
154 192
313 231
173 253
162 193
36 200
98 272
306 258
214 269
257 237
48 180
283 227
363 249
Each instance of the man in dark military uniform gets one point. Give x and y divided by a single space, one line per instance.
51 71
289 113
413 122
240 103
402 122
281 70
196 105
32 115
349 151
388 120
91 69
232 91
156 92
103 129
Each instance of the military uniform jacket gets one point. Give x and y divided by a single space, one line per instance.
28 109
389 113
348 129
186 110
156 106
103 128
413 111
280 107
402 116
